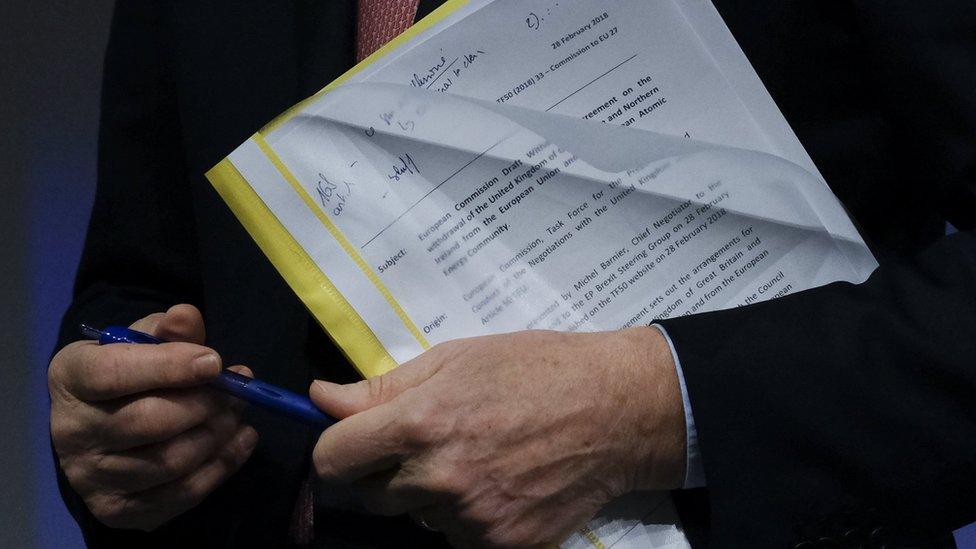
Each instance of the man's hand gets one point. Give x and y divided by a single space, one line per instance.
138 436
509 440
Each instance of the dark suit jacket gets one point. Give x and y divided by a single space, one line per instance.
842 406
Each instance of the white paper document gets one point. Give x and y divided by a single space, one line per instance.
574 166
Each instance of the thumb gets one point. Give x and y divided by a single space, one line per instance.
181 322
345 400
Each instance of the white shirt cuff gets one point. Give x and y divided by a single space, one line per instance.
694 470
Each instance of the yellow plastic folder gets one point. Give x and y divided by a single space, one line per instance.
506 166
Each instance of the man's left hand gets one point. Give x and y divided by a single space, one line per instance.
509 440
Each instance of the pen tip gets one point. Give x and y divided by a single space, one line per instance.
89 332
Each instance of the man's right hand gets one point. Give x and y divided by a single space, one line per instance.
137 433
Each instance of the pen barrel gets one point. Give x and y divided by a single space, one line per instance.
272 398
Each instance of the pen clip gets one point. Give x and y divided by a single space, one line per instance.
118 334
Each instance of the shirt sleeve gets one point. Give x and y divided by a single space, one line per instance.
694 471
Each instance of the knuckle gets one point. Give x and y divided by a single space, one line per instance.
324 467
201 405
58 368
164 414
70 434
97 465
145 418
445 481
113 511
75 471
63 429
87 473
193 492
479 518
145 414
446 350
55 373
173 463
417 419
376 388
439 349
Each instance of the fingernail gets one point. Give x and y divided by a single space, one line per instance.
320 385
241 369
207 365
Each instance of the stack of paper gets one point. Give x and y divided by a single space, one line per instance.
540 165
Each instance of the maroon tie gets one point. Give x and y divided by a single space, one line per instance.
378 22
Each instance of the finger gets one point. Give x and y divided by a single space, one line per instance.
385 493
147 510
143 467
182 323
243 370
153 417
359 445
345 400
95 372
148 324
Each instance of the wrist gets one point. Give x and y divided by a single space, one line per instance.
659 438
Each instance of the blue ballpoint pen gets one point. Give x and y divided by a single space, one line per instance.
255 391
